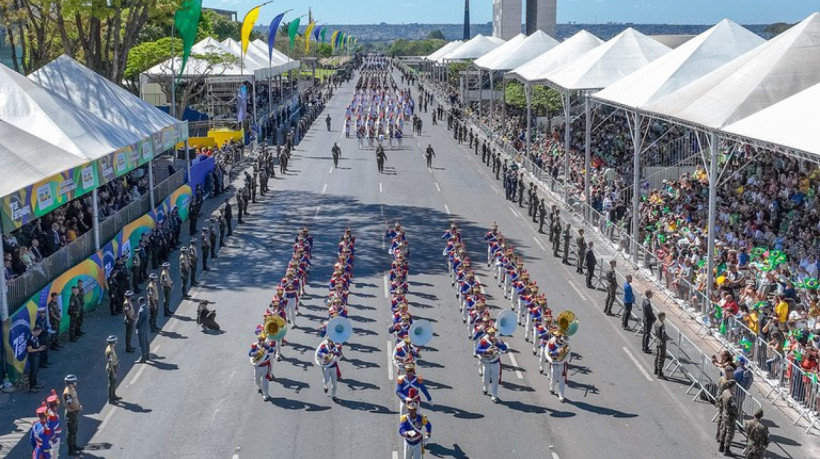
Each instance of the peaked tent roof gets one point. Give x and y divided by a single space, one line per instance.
775 70
695 58
57 120
598 68
280 63
473 49
538 68
196 66
790 123
251 60
92 91
28 159
516 52
434 56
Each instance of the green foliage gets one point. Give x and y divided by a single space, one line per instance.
454 69
148 54
435 35
219 26
545 100
777 28
414 47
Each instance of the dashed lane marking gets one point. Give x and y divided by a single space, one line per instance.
380 187
438 187
539 243
324 188
317 212
637 363
495 189
446 209
386 287
513 211
137 375
107 418
515 364
330 171
389 360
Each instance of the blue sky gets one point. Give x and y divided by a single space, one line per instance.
587 11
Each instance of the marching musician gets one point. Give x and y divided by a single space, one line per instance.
291 288
40 436
326 357
415 429
489 351
260 357
409 385
404 353
402 328
558 357
53 420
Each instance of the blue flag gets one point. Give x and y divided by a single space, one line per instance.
274 27
316 33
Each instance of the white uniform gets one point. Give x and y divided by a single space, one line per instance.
262 368
558 366
326 357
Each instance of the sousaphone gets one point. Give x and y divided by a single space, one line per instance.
275 328
421 332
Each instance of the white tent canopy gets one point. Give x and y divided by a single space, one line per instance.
57 120
695 58
435 56
773 71
28 159
790 123
197 67
473 49
89 90
252 60
537 69
602 66
519 50
280 63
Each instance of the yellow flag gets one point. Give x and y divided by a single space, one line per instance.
333 40
307 36
247 26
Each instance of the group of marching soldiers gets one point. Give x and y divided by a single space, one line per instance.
414 428
329 351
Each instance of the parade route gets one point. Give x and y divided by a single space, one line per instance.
197 398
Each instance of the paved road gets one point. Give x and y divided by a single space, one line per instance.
198 400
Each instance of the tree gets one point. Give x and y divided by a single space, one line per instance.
436 35
545 101
220 27
777 28
403 47
190 89
99 33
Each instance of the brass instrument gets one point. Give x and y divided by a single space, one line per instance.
567 323
275 328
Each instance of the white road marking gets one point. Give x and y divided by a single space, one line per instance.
429 170
330 171
539 243
578 291
107 418
513 211
495 189
389 360
446 209
637 364
137 375
317 211
324 188
236 454
438 187
515 364
386 286
555 455
395 454
380 187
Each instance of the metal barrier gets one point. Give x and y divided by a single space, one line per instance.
23 287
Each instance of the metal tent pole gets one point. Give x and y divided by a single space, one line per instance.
587 154
95 218
528 95
710 251
636 179
4 305
566 145
150 182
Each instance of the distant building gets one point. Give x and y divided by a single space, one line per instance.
506 18
227 13
466 32
541 15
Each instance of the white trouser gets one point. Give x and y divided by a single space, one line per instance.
514 297
489 255
55 447
262 384
492 371
528 327
278 348
329 379
542 357
522 311
412 451
290 308
557 378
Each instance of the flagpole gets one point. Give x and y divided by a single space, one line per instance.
173 76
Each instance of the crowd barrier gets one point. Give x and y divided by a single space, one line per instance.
785 380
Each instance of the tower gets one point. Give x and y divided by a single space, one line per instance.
466 33
506 18
541 15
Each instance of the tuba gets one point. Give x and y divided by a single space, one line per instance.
275 328
567 323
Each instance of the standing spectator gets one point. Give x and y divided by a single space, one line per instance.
34 348
648 320
55 315
629 300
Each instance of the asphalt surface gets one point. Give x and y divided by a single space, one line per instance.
197 397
